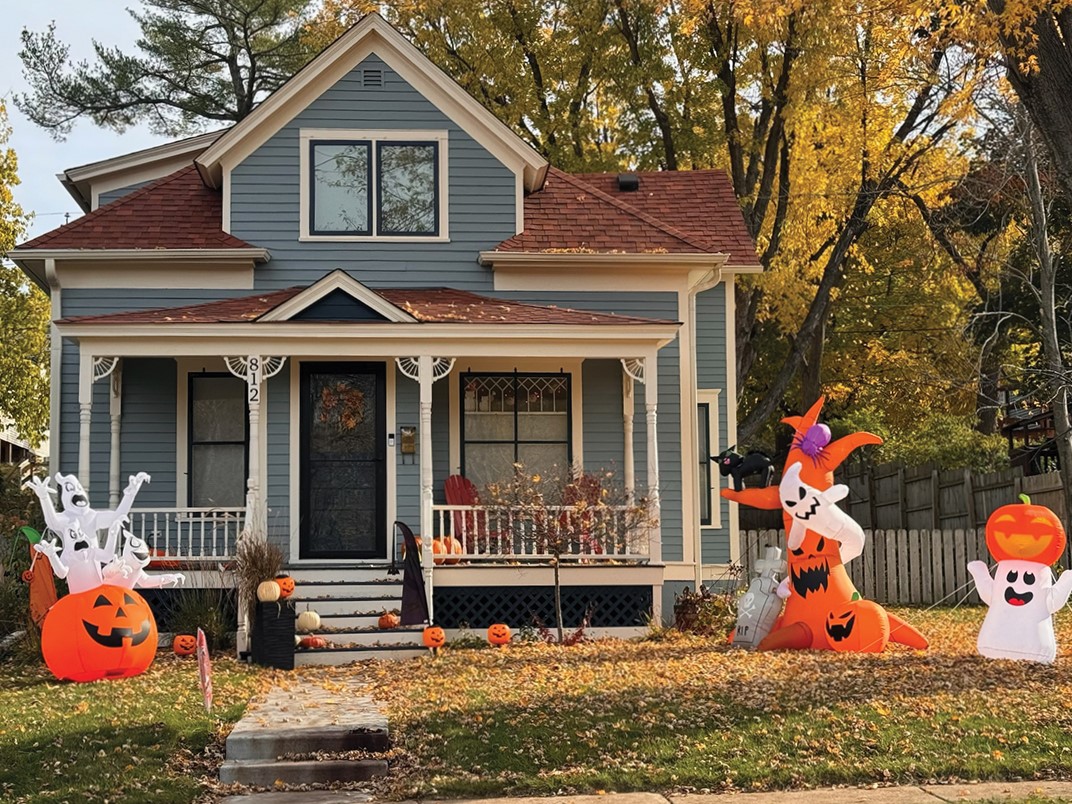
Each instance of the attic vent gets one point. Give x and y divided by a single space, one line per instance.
628 182
372 78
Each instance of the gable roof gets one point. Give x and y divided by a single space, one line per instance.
175 212
673 212
421 305
372 34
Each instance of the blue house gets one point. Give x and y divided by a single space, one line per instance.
303 325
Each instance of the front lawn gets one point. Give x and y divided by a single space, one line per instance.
132 740
691 714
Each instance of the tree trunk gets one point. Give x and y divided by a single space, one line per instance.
812 379
986 397
558 599
1051 346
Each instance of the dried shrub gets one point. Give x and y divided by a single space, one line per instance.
256 560
705 612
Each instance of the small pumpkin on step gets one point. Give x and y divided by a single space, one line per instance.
389 619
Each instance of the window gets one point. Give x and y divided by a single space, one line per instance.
373 187
707 445
218 441
514 418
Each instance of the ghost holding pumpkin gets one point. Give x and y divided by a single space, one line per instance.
1022 596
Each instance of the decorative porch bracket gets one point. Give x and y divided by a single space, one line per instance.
90 370
255 369
643 370
426 369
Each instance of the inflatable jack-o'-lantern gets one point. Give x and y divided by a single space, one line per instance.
859 626
1021 596
107 632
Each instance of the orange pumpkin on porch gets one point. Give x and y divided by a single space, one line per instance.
448 547
499 634
434 637
388 620
286 585
106 632
1025 532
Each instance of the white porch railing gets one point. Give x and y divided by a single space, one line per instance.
189 534
490 533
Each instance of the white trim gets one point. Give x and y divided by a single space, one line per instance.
371 34
135 274
710 397
337 280
56 362
690 503
519 204
294 477
373 136
731 406
142 254
571 366
568 260
465 341
225 199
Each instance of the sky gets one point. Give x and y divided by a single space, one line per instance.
78 23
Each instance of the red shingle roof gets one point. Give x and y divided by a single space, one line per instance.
176 211
676 212
427 305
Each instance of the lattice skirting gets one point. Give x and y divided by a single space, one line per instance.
518 606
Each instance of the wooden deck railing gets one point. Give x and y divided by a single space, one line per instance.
189 534
490 533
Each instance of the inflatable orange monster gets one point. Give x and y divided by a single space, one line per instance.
823 610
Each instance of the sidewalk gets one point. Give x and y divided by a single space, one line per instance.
928 794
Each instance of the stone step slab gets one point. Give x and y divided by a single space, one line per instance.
266 773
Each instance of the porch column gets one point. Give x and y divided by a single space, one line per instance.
90 369
627 432
255 369
115 408
645 370
426 369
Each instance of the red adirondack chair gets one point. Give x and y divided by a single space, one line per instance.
470 528
589 489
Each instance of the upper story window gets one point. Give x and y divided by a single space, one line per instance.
373 185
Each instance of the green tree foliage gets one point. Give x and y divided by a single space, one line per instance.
196 61
24 317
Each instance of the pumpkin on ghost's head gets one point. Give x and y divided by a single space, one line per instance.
106 632
1025 532
184 645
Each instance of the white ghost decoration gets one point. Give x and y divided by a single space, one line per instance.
128 569
1022 599
817 511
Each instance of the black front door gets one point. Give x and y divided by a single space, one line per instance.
343 461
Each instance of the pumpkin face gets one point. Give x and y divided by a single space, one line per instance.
388 620
499 634
1025 532
434 637
860 626
184 645
286 586
106 632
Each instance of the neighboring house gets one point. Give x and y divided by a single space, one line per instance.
310 320
15 451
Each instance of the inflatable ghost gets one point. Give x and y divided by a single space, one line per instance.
79 556
1022 596
127 570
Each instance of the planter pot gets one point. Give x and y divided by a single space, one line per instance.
273 635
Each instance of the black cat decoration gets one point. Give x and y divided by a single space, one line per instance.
740 467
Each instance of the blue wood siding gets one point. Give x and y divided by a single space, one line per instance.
277 411
711 366
265 196
604 439
147 437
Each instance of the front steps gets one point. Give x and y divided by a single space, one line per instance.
308 735
350 599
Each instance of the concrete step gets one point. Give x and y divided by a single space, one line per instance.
311 573
266 772
409 635
353 621
272 744
301 797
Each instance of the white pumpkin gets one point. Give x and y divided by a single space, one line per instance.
308 621
268 592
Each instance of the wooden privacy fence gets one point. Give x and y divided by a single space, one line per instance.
901 567
895 497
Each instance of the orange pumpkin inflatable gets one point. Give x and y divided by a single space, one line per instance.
822 595
106 632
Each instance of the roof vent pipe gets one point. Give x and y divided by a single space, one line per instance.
628 182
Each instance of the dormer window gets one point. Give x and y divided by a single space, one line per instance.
373 185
